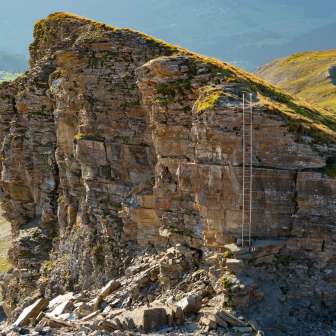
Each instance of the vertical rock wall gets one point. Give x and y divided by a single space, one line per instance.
113 144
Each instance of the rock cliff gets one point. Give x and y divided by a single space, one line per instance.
115 144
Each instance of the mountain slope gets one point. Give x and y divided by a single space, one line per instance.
7 76
243 32
12 63
309 75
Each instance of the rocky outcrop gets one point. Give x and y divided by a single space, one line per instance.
200 157
115 144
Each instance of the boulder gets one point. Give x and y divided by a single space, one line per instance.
146 319
109 288
58 323
61 304
242 330
234 265
191 303
104 292
230 319
31 312
59 300
208 323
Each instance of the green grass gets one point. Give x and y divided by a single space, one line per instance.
330 168
7 76
208 99
168 91
306 75
85 136
4 265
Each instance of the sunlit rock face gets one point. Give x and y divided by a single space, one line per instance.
199 161
114 142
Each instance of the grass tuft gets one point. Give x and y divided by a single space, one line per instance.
208 99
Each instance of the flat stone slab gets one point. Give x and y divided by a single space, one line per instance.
257 246
31 312
234 265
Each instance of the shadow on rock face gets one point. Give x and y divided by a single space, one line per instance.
2 315
332 74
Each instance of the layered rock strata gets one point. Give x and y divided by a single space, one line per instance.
114 143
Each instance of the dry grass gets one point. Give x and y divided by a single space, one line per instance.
306 75
208 99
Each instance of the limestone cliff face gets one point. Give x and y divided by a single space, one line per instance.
201 153
114 142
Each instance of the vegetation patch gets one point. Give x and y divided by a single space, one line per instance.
228 254
167 92
226 282
208 99
330 169
60 264
88 136
98 254
4 265
8 76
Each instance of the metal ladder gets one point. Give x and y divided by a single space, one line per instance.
247 177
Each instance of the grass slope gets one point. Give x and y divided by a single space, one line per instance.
309 75
7 76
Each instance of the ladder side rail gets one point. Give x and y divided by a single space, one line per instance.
251 168
243 205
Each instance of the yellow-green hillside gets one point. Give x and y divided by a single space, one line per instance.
7 76
309 75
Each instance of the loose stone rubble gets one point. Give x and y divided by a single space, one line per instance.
190 302
121 164
203 297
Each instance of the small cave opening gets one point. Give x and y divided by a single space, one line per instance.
332 74
323 246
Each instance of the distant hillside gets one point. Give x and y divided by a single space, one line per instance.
12 63
310 75
7 76
246 33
